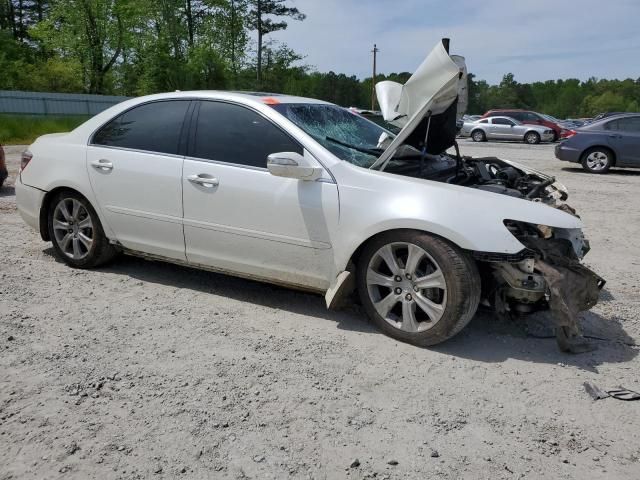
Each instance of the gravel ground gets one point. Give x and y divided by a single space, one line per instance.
149 370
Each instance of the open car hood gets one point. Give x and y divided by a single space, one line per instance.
427 106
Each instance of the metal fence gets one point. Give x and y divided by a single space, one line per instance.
54 104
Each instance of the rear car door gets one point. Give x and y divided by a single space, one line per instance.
135 169
624 137
240 218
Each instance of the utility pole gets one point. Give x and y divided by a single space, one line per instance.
373 78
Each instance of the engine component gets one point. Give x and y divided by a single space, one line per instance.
519 281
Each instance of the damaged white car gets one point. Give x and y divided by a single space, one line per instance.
306 194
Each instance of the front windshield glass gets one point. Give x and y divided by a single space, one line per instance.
346 134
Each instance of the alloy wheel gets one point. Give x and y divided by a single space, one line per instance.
407 287
597 161
73 228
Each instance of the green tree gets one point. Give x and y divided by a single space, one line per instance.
90 31
260 21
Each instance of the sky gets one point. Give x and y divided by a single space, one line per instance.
535 40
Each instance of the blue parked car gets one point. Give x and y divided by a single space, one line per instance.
610 142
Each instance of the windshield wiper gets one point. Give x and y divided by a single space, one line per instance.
371 151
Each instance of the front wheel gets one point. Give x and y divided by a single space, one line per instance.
76 232
417 288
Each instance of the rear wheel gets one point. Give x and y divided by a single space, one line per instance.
417 288
597 160
75 230
532 138
478 136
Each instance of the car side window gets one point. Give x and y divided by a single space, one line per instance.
630 124
152 127
235 134
502 121
518 115
531 117
484 121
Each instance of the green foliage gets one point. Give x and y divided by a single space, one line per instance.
560 98
23 130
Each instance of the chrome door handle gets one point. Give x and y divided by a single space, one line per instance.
205 180
102 164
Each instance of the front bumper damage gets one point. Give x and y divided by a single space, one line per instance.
547 275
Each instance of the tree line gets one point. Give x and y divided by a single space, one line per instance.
136 47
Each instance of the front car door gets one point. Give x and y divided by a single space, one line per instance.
624 136
501 128
240 218
135 171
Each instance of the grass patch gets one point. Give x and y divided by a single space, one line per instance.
23 130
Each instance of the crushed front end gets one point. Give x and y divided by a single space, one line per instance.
547 274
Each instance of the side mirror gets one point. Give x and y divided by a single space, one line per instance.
293 165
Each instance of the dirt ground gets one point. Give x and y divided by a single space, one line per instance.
148 370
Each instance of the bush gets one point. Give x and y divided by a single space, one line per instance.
23 129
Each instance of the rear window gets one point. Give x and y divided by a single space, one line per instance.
630 124
152 127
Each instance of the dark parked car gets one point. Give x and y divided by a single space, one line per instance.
3 167
602 116
531 118
611 142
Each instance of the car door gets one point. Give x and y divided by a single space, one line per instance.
240 218
501 128
135 171
624 137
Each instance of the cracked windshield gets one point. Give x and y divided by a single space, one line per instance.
345 134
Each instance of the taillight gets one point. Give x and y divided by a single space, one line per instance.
569 133
25 159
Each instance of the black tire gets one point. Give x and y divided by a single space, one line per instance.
100 252
478 136
605 156
462 286
3 176
532 138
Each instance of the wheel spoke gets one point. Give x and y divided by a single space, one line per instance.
432 309
62 207
433 280
375 278
77 253
76 209
58 225
390 259
415 255
64 243
384 306
85 223
86 241
409 322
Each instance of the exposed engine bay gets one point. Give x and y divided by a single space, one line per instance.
490 174
547 273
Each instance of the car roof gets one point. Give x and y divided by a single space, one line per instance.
249 96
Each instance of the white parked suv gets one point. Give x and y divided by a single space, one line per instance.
306 194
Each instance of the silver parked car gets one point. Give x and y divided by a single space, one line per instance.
506 128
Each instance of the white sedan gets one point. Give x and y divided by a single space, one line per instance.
306 194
